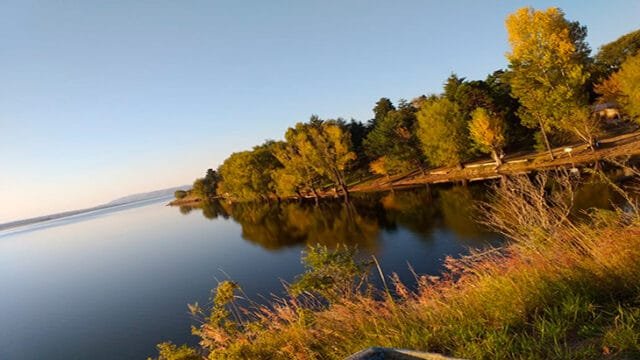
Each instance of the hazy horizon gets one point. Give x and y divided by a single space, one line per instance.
108 202
103 100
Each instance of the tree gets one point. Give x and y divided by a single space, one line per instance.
394 139
611 56
180 194
609 90
263 164
358 132
499 85
236 173
583 124
627 86
246 175
487 130
471 95
442 132
205 188
451 86
198 188
547 60
296 175
326 147
383 106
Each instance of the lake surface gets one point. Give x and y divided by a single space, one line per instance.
113 284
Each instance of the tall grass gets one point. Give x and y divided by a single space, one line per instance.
562 288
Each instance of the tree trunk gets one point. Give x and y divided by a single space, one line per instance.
315 195
345 191
546 140
496 157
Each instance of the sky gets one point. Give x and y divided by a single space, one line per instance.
101 99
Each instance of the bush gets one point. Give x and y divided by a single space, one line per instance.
180 194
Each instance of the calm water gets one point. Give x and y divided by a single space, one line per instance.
112 284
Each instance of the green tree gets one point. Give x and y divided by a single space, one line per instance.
487 130
296 175
358 132
198 188
180 194
498 83
611 56
443 132
548 65
383 106
451 86
247 175
393 141
211 180
326 147
628 84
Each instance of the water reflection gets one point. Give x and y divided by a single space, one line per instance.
275 226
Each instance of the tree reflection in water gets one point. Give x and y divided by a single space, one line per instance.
421 211
359 222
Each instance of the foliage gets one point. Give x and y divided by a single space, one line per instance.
548 65
169 351
333 274
358 132
442 132
487 131
198 188
609 90
382 108
582 124
180 194
247 175
206 188
394 138
296 175
622 87
562 288
611 56
499 84
386 165
325 147
546 87
629 84
218 326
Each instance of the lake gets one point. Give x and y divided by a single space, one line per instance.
114 283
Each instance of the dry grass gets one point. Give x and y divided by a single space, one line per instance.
561 289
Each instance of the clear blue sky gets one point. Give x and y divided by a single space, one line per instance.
100 99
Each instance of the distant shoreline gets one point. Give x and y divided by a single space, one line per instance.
130 199
24 222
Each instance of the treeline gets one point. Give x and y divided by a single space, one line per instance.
545 97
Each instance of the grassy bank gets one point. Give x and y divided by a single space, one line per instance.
562 288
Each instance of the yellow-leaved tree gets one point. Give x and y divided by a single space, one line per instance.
548 59
487 130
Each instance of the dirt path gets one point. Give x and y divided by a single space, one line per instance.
570 155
